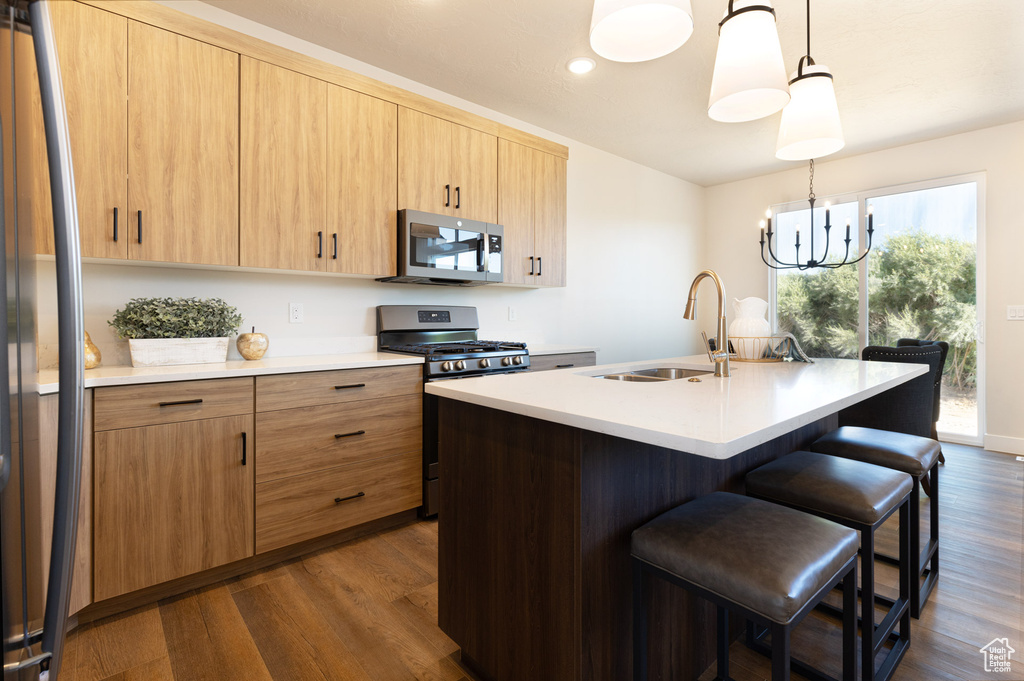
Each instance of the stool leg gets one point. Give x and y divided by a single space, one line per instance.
780 651
915 549
850 624
867 622
933 530
639 623
723 644
905 573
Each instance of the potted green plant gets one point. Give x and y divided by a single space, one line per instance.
163 331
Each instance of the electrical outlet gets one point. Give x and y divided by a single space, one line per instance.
1020 458
1015 313
295 313
512 315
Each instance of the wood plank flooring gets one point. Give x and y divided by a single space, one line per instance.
367 610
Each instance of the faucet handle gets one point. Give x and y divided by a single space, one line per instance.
707 346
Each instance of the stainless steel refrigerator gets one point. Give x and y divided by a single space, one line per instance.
35 591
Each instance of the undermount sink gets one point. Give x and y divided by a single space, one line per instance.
655 375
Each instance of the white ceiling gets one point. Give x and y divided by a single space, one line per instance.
905 70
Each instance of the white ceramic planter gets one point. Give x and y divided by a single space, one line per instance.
155 352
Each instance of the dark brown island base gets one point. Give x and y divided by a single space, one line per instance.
543 477
533 536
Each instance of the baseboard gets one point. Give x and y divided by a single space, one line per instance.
1001 443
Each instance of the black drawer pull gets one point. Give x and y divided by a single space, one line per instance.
540 266
198 400
564 366
346 387
243 448
338 500
531 266
140 226
447 195
458 197
115 224
357 432
335 256
319 244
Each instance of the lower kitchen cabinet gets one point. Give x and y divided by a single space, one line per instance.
173 480
301 507
562 361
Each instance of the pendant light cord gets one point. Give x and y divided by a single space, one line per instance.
808 29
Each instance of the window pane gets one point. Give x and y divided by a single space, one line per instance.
922 284
818 306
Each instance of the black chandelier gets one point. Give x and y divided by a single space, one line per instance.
813 262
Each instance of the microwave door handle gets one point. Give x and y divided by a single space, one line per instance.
481 253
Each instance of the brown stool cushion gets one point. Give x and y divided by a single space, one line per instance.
911 454
764 557
847 489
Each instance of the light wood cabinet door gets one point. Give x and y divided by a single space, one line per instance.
515 211
182 149
283 202
474 174
424 163
92 46
549 218
170 500
362 173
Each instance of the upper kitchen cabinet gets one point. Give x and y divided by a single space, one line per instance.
283 203
93 52
446 168
362 173
532 208
182 149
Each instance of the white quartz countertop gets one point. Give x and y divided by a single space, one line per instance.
126 375
716 418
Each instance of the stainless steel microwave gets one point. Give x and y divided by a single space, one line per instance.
447 251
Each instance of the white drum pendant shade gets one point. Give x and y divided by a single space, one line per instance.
639 30
810 122
749 81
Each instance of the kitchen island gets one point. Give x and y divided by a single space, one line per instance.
546 475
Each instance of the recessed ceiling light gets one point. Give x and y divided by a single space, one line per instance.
581 65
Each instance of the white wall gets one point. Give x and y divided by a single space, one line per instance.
734 209
634 243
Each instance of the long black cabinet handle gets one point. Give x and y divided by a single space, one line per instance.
458 196
447 195
338 500
244 448
198 400
319 244
140 226
115 224
531 266
335 256
564 366
540 265
357 432
346 387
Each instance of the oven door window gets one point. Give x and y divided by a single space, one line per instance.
443 248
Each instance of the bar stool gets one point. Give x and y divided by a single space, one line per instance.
912 454
862 497
763 561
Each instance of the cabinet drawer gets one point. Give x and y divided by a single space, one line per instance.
130 406
286 391
563 361
294 441
302 507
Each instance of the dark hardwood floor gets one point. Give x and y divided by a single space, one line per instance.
367 610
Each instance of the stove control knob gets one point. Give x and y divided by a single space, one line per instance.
484 363
460 365
446 366
506 361
517 360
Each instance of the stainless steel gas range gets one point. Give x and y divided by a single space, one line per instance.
446 337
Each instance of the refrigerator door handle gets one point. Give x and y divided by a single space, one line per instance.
70 327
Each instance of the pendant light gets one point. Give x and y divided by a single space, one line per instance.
639 30
749 81
810 125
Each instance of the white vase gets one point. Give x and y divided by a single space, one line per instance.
749 327
155 352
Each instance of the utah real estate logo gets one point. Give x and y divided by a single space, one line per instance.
997 655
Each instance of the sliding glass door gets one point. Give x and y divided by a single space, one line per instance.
920 280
